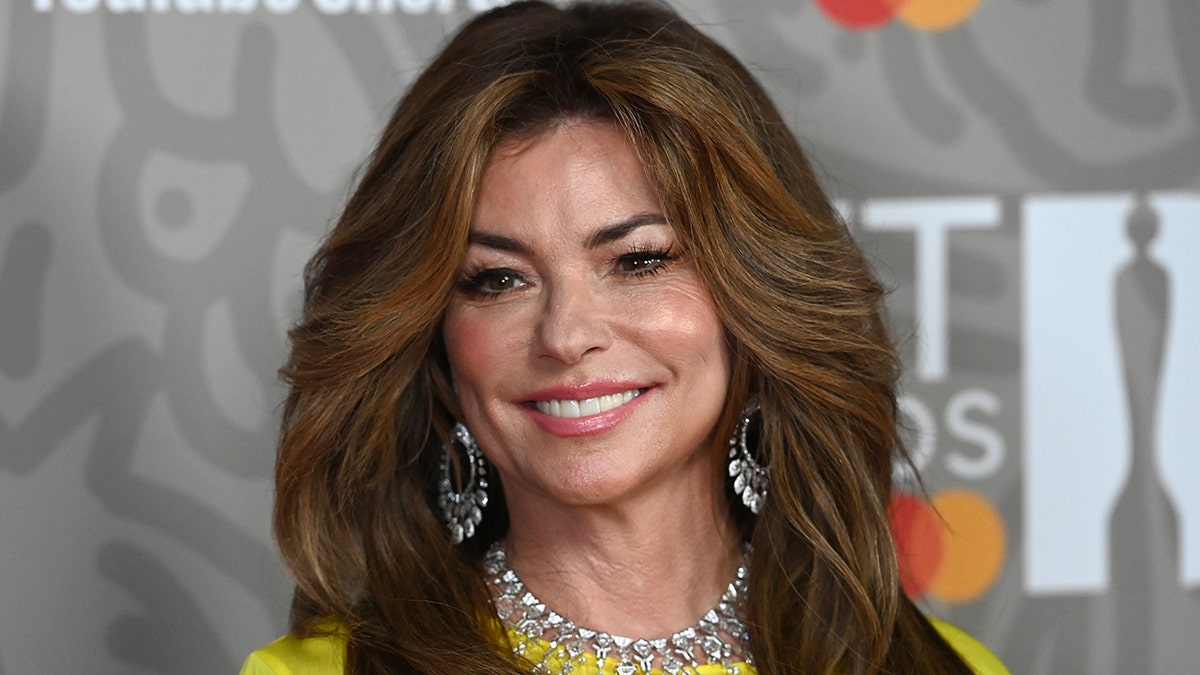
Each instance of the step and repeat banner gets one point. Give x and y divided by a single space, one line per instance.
1024 173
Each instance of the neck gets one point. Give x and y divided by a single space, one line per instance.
647 566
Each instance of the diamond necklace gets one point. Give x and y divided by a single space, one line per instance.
719 636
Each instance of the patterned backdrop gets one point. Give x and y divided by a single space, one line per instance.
1025 174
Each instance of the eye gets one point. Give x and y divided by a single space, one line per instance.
643 263
491 283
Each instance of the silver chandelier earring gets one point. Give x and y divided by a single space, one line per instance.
463 510
749 477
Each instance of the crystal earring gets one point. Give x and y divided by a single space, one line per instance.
749 477
462 511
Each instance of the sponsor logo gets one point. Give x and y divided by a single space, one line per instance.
1063 424
928 15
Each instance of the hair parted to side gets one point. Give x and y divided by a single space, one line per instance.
370 403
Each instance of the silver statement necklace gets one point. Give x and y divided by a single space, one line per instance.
719 637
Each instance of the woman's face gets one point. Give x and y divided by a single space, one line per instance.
587 355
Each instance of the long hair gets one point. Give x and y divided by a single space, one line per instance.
370 403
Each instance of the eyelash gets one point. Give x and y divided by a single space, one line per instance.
474 283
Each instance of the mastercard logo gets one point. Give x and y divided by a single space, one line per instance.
932 15
951 548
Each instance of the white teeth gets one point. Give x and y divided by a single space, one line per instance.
586 407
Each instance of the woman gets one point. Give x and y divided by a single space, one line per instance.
589 347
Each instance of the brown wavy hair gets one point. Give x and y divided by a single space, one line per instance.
370 403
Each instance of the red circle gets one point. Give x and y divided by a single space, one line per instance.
920 548
860 14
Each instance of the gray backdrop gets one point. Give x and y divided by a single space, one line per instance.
1028 181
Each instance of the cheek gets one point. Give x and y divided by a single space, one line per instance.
687 326
473 349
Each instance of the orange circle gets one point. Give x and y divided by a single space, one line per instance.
917 531
936 14
974 541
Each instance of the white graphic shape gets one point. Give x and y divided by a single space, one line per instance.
1076 431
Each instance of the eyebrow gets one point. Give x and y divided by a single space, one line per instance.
606 234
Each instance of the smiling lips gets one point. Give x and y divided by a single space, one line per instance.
590 409
586 407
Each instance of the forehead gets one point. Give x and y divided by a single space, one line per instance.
578 174
581 139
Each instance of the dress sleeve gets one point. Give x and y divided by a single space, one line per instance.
256 665
978 657
322 655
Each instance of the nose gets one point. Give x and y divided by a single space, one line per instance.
574 323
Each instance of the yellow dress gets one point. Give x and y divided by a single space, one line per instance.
326 656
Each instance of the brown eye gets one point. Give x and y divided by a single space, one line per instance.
501 281
493 282
643 263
